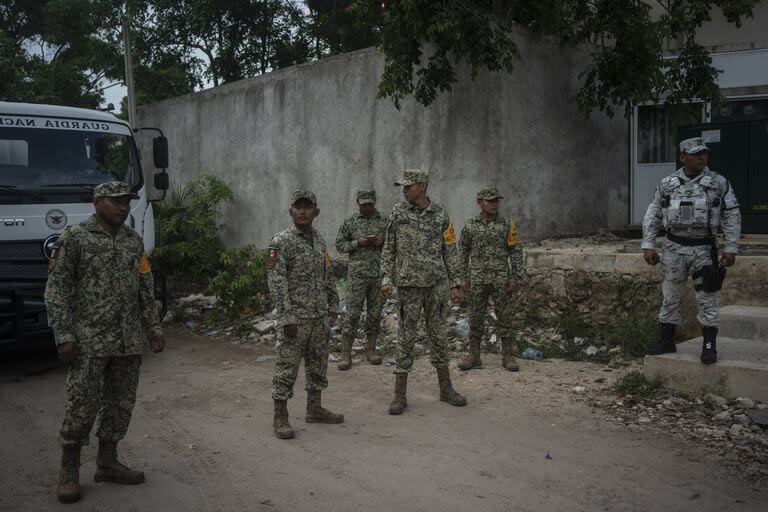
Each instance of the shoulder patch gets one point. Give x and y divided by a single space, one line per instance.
513 237
271 258
144 265
449 235
328 263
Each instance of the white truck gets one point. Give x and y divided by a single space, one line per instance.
51 158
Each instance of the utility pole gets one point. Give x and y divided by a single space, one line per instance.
129 73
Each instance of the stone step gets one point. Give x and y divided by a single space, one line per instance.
741 370
749 322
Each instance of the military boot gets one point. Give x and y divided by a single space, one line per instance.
447 393
69 476
709 346
281 425
370 353
666 344
507 360
346 354
399 404
109 469
472 359
316 413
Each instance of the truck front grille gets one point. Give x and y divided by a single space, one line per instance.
23 261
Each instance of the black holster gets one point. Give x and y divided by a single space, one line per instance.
712 275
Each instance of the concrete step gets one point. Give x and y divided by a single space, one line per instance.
749 322
741 370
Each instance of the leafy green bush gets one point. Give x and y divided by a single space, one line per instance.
188 230
240 283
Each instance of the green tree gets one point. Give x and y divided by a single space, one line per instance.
424 40
238 38
335 26
56 51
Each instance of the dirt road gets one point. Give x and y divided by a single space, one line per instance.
202 432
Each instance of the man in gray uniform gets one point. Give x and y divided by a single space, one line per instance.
691 204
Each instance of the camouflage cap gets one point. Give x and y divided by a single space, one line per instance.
411 176
114 189
693 146
489 193
366 196
303 194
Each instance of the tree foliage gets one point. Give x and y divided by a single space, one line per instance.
424 40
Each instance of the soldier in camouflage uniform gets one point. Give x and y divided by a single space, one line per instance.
362 236
101 306
419 255
691 204
304 292
491 267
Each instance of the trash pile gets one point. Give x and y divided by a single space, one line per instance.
259 328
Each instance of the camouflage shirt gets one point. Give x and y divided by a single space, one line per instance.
100 292
300 276
490 251
693 208
420 247
363 261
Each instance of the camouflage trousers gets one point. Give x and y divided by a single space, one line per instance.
478 307
412 301
310 343
678 262
103 387
363 290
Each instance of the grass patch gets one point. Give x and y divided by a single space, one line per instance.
571 324
632 333
636 384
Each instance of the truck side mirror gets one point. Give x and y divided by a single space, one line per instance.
160 153
161 181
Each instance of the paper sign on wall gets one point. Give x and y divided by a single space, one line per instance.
710 136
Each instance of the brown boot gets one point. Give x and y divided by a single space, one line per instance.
346 354
507 361
281 425
399 404
447 393
69 476
109 469
370 354
472 359
316 413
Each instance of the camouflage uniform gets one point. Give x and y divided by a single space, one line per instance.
419 254
491 257
691 210
303 289
100 296
364 276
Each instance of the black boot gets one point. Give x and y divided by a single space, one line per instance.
709 347
666 344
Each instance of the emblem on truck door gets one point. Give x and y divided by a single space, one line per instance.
56 219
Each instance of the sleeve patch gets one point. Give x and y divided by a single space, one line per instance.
328 263
52 260
144 265
513 237
271 258
449 235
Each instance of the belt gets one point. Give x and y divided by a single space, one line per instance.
690 241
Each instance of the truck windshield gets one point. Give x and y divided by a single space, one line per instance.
61 166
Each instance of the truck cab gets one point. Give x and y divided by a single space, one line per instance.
51 158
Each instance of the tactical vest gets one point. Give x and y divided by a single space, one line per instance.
691 206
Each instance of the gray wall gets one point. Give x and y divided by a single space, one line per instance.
320 126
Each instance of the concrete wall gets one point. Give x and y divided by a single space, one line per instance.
320 126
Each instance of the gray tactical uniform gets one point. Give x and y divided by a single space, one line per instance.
691 210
